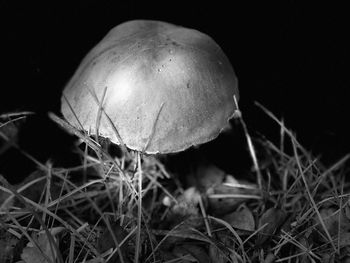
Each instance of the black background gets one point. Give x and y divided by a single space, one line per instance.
290 56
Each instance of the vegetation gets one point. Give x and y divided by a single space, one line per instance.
290 209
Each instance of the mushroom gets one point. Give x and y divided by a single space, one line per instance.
163 88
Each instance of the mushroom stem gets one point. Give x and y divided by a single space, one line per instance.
138 233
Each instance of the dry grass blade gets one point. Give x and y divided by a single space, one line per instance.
53 244
250 146
311 197
72 130
94 146
33 241
26 154
229 227
149 140
19 190
12 121
101 109
309 203
205 217
27 202
331 169
244 196
286 131
15 114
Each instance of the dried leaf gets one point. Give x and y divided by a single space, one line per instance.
216 255
181 253
226 197
347 209
197 252
330 258
7 244
181 233
223 205
344 239
44 252
270 258
242 219
331 219
107 242
344 260
272 219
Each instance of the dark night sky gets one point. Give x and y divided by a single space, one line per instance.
290 56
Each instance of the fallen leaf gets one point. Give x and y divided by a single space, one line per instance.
106 242
34 191
270 258
331 219
225 198
272 219
199 253
41 252
345 260
344 239
7 244
181 253
242 219
216 255
191 253
329 258
347 209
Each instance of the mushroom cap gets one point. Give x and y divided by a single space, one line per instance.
163 87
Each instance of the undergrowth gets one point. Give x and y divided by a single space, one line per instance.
296 210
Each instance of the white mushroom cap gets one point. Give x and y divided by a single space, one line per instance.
167 87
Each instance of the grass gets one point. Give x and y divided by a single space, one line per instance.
295 210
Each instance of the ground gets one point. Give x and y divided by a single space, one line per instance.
288 208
